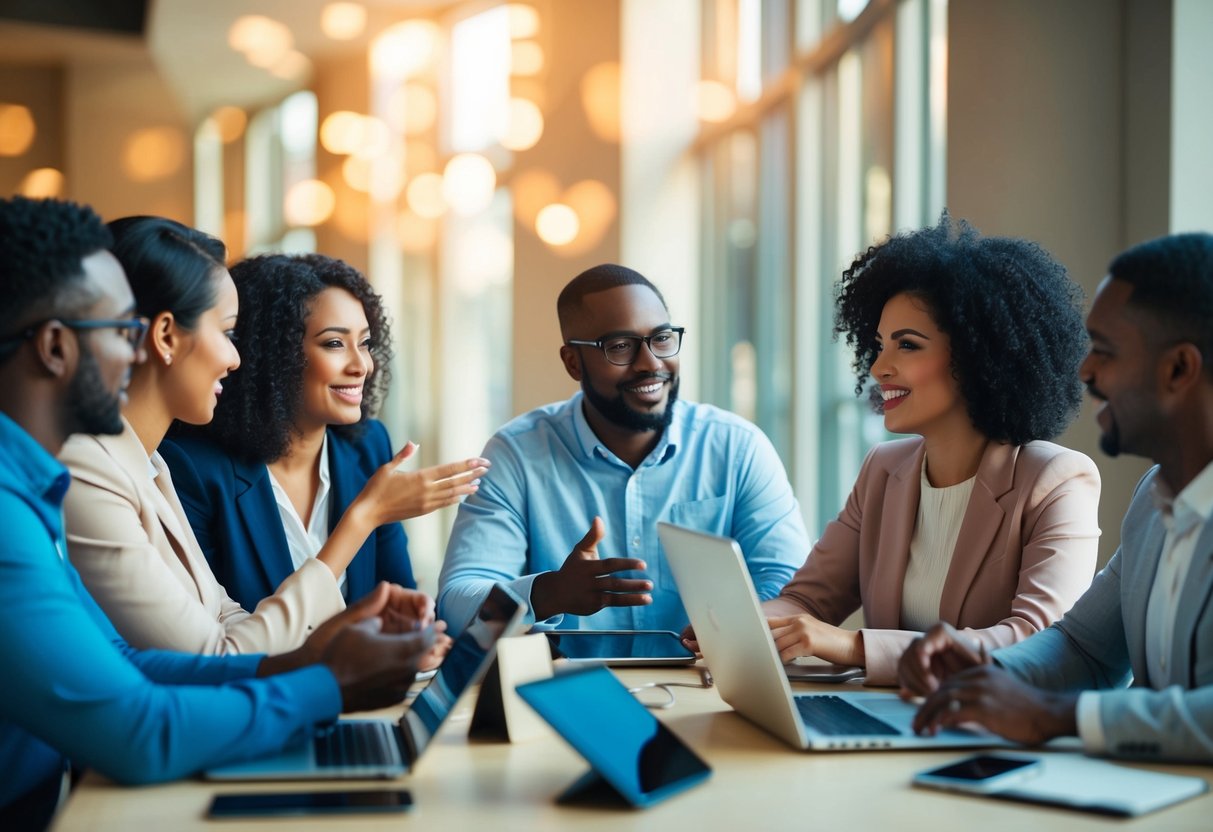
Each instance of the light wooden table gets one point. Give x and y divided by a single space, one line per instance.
757 784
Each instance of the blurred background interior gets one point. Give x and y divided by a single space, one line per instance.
473 155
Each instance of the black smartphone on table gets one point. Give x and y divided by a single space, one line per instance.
270 804
620 648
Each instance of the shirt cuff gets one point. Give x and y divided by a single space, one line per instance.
1090 724
523 587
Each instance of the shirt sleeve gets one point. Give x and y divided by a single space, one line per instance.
1090 728
71 683
767 523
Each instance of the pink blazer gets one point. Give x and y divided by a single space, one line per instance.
1026 550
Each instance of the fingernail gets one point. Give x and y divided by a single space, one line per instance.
474 483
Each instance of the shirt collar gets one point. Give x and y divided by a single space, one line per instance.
29 465
1191 506
666 447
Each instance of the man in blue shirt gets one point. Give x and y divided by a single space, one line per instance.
73 689
615 459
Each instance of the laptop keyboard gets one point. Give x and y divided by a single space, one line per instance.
834 716
357 744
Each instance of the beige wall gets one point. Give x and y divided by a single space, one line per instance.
1054 162
41 90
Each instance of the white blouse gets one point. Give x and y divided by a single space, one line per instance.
940 514
305 542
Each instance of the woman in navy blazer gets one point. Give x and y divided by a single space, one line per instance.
315 346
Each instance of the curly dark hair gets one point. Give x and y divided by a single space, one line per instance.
43 243
256 415
1013 316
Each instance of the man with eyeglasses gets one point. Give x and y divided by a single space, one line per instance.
74 690
567 517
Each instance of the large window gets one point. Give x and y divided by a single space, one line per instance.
835 142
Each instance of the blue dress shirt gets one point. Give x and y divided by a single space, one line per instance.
74 690
711 470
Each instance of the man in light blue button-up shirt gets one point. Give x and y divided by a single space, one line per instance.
567 516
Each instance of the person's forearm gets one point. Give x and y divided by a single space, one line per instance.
352 530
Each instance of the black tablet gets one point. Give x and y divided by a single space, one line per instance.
619 647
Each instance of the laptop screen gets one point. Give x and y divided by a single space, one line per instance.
463 666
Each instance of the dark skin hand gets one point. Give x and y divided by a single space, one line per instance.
584 584
936 655
991 697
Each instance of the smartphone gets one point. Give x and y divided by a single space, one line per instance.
269 804
982 774
619 647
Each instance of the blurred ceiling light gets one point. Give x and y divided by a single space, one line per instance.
153 153
340 131
529 88
263 41
387 179
357 174
524 20
715 102
419 157
600 99
524 125
526 58
405 49
308 203
343 21
230 122
412 109
424 196
557 224
292 66
483 259
595 206
416 234
17 129
373 138
468 183
42 183
533 189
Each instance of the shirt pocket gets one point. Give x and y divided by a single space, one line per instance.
712 516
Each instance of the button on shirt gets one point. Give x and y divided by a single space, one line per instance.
1183 516
711 470
305 542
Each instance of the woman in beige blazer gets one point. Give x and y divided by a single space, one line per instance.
974 345
127 533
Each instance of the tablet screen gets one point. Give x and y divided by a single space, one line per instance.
624 743
650 646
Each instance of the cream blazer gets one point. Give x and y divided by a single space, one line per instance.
1026 550
129 538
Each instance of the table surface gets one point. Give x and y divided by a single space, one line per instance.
758 783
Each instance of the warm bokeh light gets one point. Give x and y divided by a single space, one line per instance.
230 121
524 125
263 41
419 157
292 66
533 189
412 109
387 178
483 259
417 234
526 58
17 129
600 98
357 173
343 21
557 224
42 183
424 196
468 182
153 153
595 206
344 133
308 203
714 101
373 138
405 49
524 20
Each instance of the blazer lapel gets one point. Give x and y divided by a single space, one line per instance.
1140 553
1193 601
259 513
899 512
983 518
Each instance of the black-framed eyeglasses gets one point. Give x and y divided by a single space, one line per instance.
623 349
135 329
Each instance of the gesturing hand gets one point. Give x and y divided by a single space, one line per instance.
936 655
392 495
584 584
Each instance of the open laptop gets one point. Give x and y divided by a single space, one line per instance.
736 642
363 748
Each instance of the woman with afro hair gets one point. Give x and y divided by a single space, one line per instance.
973 345
280 469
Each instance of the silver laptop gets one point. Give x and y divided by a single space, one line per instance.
362 748
736 642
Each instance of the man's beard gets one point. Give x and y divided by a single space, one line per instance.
616 411
1109 440
91 408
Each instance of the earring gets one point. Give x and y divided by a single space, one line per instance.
168 359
